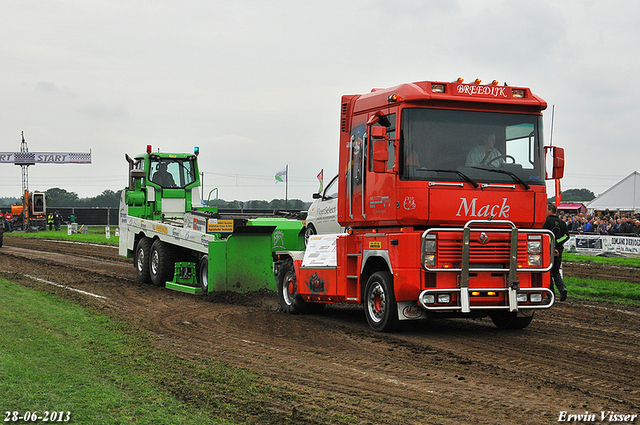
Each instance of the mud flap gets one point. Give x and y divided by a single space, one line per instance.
409 310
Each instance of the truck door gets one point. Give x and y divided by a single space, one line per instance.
380 200
356 169
371 196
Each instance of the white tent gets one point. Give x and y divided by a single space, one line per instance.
622 196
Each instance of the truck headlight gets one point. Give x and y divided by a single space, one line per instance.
430 260
444 298
535 260
428 298
535 297
534 247
521 297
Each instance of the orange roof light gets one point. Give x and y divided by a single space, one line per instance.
477 81
494 83
393 98
460 80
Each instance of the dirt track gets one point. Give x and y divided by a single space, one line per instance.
575 357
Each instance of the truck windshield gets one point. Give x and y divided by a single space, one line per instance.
172 172
445 145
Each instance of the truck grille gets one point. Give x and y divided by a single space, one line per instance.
496 250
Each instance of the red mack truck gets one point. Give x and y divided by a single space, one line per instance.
442 191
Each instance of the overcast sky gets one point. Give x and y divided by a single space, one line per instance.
256 84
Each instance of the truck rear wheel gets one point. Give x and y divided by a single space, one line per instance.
203 273
161 263
510 320
288 299
141 260
380 302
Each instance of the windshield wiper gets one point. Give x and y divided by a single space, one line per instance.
509 173
462 175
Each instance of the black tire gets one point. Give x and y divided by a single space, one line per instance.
289 300
1 233
510 320
141 260
203 273
380 302
308 232
161 263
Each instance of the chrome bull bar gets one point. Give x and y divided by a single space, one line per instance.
513 286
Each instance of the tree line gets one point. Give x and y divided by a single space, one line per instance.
62 198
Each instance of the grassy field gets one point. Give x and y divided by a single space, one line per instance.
602 290
622 293
612 261
57 356
95 234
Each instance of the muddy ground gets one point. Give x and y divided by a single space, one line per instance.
577 357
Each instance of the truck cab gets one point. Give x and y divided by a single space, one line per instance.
163 185
442 187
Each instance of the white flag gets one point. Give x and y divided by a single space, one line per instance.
281 176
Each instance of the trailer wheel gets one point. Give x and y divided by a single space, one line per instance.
161 263
380 302
141 260
510 320
203 273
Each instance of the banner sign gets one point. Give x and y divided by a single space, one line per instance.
603 243
321 251
28 158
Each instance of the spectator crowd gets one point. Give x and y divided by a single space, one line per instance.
603 223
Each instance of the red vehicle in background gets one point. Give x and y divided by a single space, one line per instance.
442 189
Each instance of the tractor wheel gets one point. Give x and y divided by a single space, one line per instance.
161 263
510 320
203 273
141 260
380 303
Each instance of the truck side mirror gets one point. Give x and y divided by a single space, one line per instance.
557 156
378 132
380 155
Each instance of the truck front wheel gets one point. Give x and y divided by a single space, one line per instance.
161 263
308 232
380 303
510 320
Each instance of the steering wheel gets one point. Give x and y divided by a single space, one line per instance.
502 157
